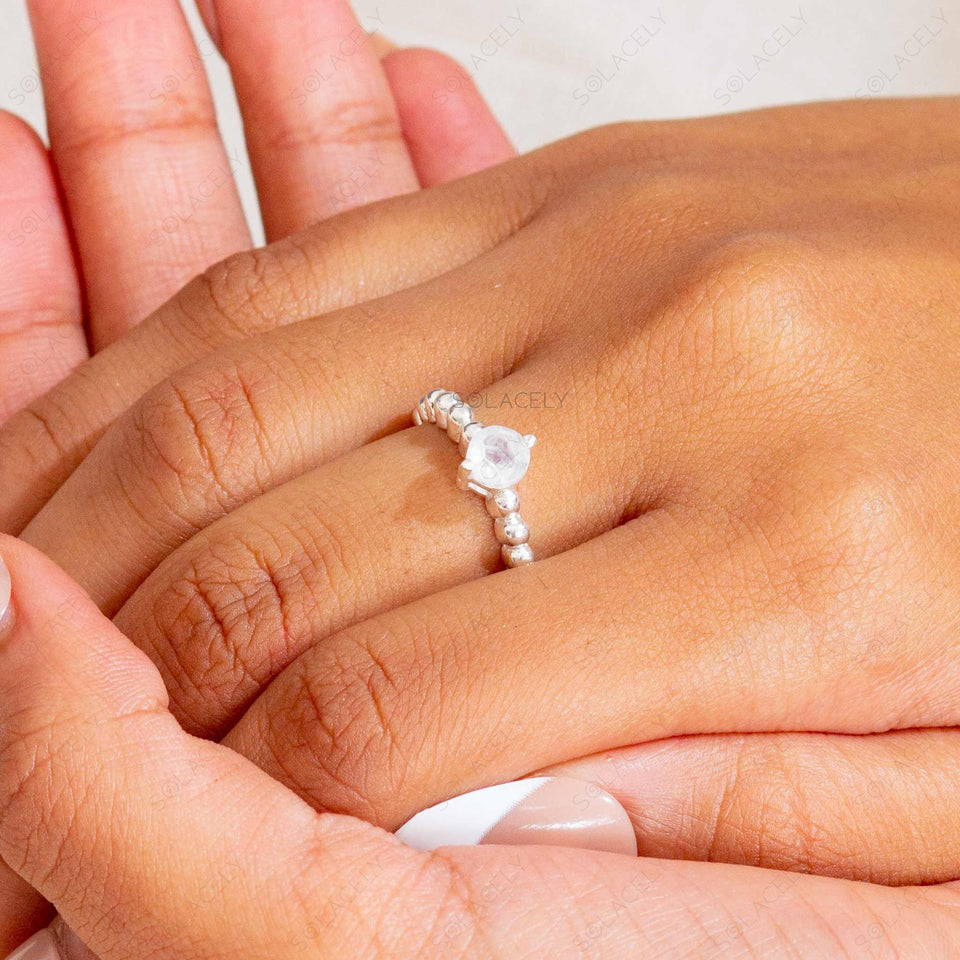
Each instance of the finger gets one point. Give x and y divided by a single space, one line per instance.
111 810
449 129
202 424
41 321
236 424
153 843
248 594
321 124
147 181
449 693
230 864
879 808
360 256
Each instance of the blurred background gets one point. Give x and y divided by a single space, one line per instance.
552 67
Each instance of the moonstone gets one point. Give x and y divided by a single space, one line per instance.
499 457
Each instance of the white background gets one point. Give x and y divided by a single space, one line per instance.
552 67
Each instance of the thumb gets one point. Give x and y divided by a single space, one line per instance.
148 841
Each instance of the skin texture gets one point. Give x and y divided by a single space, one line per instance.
746 329
230 863
136 195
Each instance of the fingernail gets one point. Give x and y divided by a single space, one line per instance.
542 810
5 590
43 946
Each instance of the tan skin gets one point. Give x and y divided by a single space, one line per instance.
751 484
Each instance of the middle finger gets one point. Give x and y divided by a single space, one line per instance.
360 256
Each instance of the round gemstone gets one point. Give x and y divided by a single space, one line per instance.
499 457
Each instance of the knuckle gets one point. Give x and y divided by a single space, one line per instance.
216 629
754 295
237 610
759 266
173 115
365 122
763 817
336 740
770 816
295 278
859 537
865 517
195 438
852 563
248 291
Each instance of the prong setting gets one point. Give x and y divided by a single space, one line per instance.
495 458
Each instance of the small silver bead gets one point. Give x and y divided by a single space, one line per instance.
442 407
516 556
467 434
511 529
458 417
502 503
428 402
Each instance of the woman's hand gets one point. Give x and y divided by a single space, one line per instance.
737 342
148 195
152 843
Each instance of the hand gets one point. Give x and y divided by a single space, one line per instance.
745 327
232 864
148 191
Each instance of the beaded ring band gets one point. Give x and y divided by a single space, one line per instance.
495 460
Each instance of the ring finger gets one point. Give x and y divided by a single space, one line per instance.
231 427
245 596
353 259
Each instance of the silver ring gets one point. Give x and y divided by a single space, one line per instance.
495 460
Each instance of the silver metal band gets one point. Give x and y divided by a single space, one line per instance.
494 460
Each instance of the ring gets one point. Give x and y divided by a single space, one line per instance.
495 460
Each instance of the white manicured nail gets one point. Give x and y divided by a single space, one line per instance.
4 590
541 810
